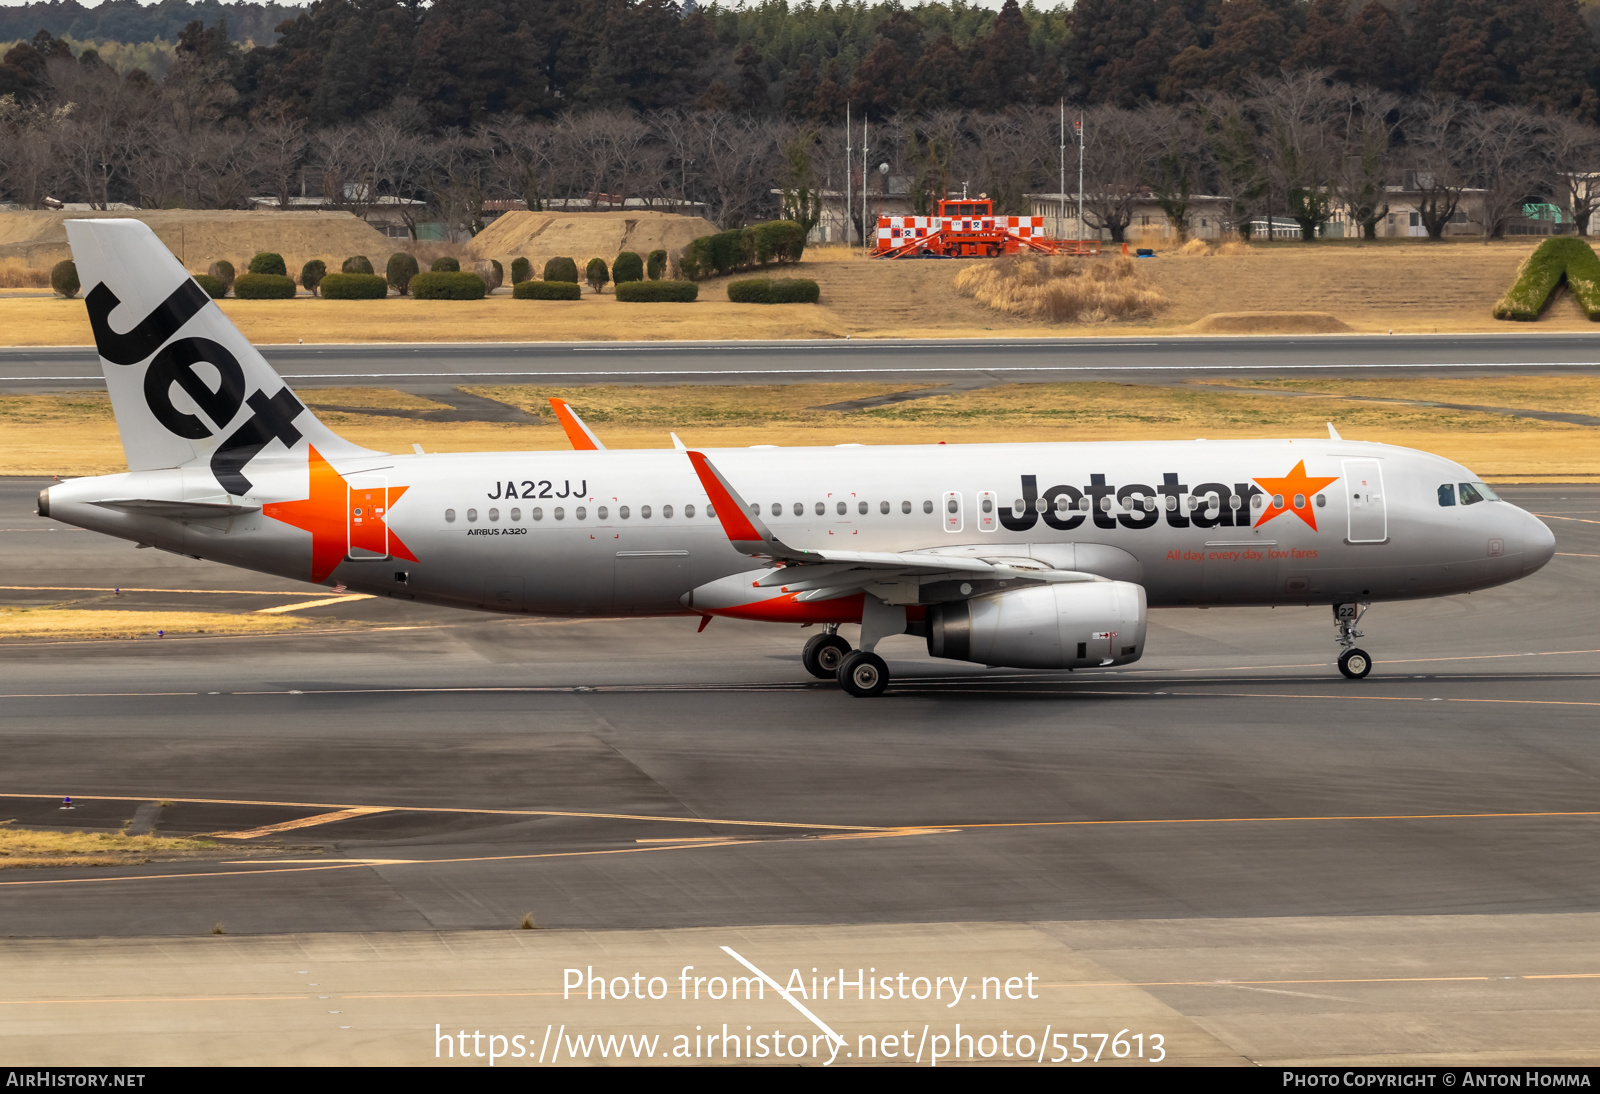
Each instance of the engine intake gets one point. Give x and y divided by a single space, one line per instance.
1044 627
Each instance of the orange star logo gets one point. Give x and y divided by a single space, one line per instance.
341 518
1294 493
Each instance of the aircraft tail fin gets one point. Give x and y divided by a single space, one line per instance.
185 385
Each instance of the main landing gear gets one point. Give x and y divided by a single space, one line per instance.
861 673
1354 663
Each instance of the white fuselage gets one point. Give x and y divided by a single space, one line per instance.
628 532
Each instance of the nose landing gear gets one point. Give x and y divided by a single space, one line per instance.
1354 663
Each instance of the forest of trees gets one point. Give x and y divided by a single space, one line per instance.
1286 104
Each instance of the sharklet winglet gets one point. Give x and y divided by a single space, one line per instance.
744 528
581 436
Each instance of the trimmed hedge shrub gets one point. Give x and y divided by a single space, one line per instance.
764 290
656 265
521 270
547 290
448 285
357 264
224 272
1556 260
268 262
758 245
628 267
354 286
401 269
656 292
596 274
312 273
212 286
445 265
64 278
561 269
264 286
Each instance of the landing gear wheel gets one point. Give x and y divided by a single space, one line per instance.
863 674
1355 664
823 655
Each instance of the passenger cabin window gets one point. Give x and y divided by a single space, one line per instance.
622 511
516 514
711 511
600 513
927 507
560 513
449 516
905 507
494 514
777 508
580 512
799 508
536 513
688 510
666 512
883 507
842 509
472 514
644 512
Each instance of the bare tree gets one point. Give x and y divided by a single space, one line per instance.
1366 121
1176 159
1510 160
1295 113
1574 152
1239 170
1111 169
522 153
342 158
29 169
280 150
461 166
1437 158
735 162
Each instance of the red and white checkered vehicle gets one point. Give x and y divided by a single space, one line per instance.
968 228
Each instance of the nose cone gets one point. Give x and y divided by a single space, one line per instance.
1539 544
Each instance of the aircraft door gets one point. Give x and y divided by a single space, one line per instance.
1369 514
954 520
367 515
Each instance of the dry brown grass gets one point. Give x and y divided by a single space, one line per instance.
90 624
1195 247
1235 249
15 274
22 847
34 437
1061 290
50 321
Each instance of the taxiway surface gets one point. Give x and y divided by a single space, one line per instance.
1153 359
1226 846
611 773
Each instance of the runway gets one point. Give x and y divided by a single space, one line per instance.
1156 359
425 770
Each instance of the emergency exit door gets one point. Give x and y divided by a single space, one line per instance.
368 517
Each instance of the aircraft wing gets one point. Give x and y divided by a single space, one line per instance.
831 570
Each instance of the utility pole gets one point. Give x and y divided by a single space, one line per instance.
849 165
1061 161
864 184
1080 182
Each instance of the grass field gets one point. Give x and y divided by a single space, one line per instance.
89 623
21 847
75 434
1405 286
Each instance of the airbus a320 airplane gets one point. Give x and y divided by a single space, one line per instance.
1027 555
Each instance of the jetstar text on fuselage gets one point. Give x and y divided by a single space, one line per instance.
1139 505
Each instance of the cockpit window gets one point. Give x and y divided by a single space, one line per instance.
1488 495
1447 494
1472 493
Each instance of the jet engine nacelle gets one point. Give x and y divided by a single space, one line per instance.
1093 623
